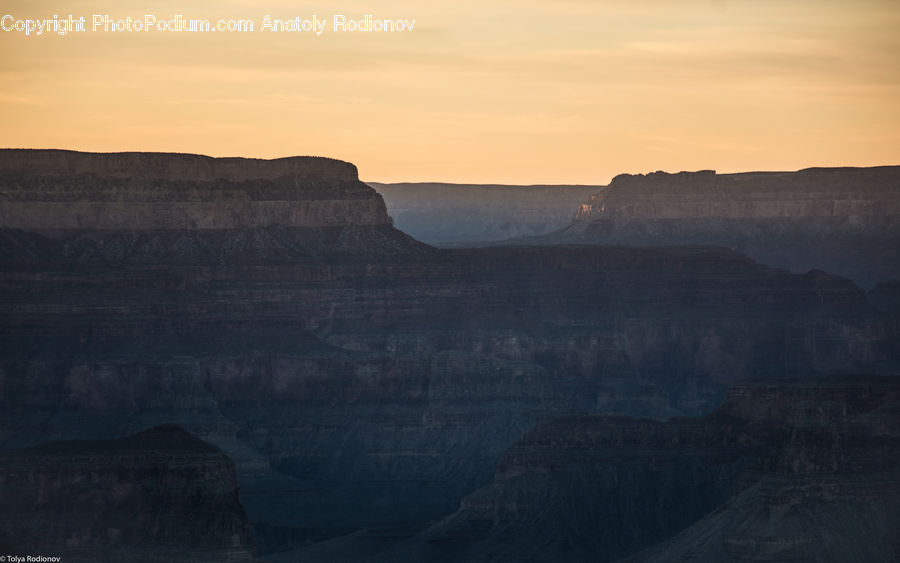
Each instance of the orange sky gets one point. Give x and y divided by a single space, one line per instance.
514 91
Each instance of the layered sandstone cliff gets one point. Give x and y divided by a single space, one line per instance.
842 220
161 494
48 190
851 193
783 471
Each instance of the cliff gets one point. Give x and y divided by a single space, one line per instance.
841 220
48 190
852 193
160 494
466 214
828 491
360 379
786 470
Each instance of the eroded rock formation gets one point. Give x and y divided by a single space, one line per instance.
841 220
362 379
784 470
854 194
158 495
47 190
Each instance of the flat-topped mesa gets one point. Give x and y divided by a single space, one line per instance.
813 192
172 166
53 190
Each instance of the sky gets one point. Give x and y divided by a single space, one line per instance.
512 91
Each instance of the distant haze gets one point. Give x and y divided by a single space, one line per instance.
468 213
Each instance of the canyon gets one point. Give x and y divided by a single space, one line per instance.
358 378
466 214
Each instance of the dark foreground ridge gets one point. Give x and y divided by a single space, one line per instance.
783 471
162 494
358 378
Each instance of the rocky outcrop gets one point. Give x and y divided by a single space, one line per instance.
830 489
360 379
465 214
44 190
851 193
172 167
841 220
787 470
161 494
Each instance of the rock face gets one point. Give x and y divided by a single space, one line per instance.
783 471
161 494
360 379
47 190
842 220
851 193
463 214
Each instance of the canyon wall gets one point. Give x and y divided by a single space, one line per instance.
783 471
851 193
172 167
64 190
161 494
842 220
363 380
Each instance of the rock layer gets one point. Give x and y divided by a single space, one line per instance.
787 470
64 190
160 494
852 193
171 167
841 220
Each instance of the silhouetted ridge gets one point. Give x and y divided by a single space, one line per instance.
171 166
